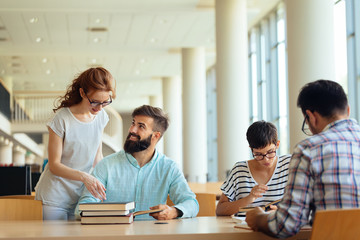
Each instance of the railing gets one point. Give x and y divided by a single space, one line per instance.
32 109
37 110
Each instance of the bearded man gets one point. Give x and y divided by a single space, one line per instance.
141 174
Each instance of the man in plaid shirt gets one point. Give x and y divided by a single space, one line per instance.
324 170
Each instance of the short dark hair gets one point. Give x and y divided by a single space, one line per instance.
323 96
161 120
261 134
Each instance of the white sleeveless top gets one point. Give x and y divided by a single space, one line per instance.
81 141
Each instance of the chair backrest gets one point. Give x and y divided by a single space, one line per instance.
207 204
336 224
31 197
20 209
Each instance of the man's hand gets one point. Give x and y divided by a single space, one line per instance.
167 213
251 218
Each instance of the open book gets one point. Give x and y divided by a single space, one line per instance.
265 208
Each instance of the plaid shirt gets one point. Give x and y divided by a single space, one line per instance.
324 173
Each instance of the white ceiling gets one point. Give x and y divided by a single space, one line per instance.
44 43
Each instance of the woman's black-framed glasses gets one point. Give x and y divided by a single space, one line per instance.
305 128
96 104
259 156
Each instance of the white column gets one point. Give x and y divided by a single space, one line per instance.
45 142
19 156
172 106
194 114
156 101
30 159
5 151
310 48
231 83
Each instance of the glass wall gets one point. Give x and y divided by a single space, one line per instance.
268 74
353 54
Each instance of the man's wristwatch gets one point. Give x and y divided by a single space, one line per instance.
179 213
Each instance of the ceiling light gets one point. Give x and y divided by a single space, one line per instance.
98 20
96 40
93 60
153 40
52 85
137 72
142 60
14 64
97 29
44 60
38 39
34 20
48 71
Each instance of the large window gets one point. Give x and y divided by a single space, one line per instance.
211 125
353 54
268 74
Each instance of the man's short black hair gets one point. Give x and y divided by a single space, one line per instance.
261 134
323 96
161 120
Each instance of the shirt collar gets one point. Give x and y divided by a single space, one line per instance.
337 123
134 162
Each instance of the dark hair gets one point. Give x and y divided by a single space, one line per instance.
323 96
92 79
161 120
261 134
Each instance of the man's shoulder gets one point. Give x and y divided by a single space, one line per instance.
118 156
167 162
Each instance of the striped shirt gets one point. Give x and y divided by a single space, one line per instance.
240 182
324 173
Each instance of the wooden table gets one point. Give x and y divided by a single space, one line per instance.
205 228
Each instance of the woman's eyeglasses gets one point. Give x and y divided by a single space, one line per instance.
259 156
96 104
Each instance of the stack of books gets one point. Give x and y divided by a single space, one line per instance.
109 212
106 213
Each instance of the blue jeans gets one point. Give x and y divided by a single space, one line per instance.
57 213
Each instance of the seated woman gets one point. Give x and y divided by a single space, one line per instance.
259 181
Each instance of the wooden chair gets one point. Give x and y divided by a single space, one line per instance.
207 204
209 187
29 197
336 224
20 209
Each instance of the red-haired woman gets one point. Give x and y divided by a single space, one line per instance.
75 145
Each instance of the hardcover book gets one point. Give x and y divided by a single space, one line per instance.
110 219
105 213
106 206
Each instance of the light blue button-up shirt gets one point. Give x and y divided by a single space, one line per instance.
147 186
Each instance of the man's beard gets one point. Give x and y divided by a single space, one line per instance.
136 146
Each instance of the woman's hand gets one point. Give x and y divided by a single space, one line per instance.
95 187
258 191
